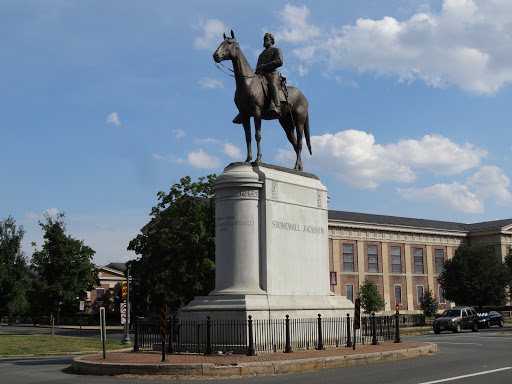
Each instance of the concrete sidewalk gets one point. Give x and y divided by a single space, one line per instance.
150 363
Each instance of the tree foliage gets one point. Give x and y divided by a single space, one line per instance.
371 300
429 304
177 248
508 264
14 280
64 266
475 276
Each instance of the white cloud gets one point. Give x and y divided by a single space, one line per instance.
356 159
490 182
113 119
207 140
179 133
455 196
232 151
209 83
201 159
466 43
212 34
296 27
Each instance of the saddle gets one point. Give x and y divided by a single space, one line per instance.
282 89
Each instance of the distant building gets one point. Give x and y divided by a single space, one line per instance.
403 256
110 277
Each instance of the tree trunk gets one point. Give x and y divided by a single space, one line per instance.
52 321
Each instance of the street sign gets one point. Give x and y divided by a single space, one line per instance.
123 307
123 318
82 305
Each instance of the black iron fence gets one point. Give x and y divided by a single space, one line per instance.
263 336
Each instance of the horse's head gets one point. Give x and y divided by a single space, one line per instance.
227 49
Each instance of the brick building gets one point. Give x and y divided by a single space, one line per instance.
403 256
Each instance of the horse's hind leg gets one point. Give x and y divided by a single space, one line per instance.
287 124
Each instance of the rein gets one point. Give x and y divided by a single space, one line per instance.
235 75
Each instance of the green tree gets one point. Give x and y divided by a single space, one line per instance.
475 276
429 304
371 300
177 248
508 264
14 280
64 265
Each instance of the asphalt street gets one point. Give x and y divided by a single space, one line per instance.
112 333
469 358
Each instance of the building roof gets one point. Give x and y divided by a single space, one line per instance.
119 266
395 220
368 218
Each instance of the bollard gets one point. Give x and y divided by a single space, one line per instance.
397 336
250 350
208 337
349 341
288 347
320 341
136 344
374 330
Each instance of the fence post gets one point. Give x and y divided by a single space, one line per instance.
163 328
374 330
320 341
250 350
170 348
349 341
288 346
208 337
136 344
397 336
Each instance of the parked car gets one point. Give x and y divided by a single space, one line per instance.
486 320
456 319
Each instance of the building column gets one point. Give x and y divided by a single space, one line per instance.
430 269
360 261
385 275
408 277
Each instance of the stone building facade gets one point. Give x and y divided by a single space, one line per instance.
403 256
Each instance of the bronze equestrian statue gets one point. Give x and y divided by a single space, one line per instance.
251 96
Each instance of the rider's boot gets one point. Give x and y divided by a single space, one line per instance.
274 109
237 119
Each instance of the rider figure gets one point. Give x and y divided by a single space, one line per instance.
268 62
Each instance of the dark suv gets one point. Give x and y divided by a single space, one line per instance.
456 319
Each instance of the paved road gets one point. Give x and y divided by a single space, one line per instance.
112 334
466 358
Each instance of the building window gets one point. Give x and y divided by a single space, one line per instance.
373 259
396 260
418 261
442 300
348 257
439 260
419 290
350 292
99 294
398 293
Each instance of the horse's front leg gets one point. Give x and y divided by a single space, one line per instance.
246 121
257 135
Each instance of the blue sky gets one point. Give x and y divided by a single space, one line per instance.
105 103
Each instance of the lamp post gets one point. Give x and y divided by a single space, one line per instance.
126 339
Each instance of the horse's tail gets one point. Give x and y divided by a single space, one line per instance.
306 133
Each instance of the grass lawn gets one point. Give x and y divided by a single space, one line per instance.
40 345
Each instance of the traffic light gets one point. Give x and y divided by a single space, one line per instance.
397 307
125 289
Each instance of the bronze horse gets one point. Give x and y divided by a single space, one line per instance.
250 101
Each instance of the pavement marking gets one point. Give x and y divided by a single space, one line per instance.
466 376
448 342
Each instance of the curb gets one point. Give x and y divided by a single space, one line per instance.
83 367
